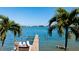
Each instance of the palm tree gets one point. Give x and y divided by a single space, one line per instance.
5 25
63 20
76 28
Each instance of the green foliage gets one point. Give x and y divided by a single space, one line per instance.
5 25
64 19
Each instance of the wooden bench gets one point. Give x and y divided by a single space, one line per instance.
23 48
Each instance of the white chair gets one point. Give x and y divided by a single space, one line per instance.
28 43
20 44
14 48
24 44
30 46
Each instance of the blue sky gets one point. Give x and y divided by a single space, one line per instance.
30 16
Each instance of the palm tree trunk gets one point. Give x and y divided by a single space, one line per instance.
14 39
66 38
2 43
76 37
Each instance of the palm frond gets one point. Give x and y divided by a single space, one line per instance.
5 25
3 37
73 14
50 31
76 20
52 20
51 27
61 10
3 17
60 30
16 29
74 30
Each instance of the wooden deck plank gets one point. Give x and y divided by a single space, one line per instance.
35 46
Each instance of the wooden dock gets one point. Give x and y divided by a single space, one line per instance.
35 45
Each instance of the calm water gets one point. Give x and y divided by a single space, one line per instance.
47 43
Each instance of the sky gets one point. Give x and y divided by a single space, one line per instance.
30 16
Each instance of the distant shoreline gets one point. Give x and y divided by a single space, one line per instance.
35 26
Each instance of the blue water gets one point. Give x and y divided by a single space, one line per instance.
46 43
